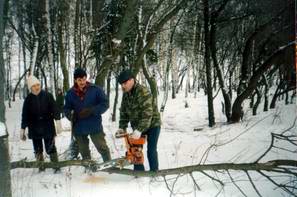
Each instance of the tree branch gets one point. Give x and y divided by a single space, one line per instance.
234 183
267 166
254 186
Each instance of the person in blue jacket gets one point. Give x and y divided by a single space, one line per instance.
84 104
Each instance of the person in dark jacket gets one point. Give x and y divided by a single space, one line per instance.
60 101
84 104
140 109
38 114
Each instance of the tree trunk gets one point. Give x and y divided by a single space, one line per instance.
269 166
108 89
114 111
174 80
236 108
259 96
287 97
8 45
197 48
19 70
77 41
61 43
34 52
166 80
213 50
275 96
187 89
50 49
293 96
251 105
25 89
5 180
97 20
211 118
18 84
180 85
169 63
152 83
124 27
44 78
266 93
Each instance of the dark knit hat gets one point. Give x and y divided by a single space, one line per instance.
79 73
124 76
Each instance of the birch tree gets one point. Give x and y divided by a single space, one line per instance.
50 47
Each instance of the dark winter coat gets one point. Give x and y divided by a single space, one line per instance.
38 115
94 98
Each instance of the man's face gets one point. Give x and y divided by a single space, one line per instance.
35 89
127 85
81 82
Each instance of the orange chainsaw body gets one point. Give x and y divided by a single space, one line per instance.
134 154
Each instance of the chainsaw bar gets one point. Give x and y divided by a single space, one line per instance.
118 162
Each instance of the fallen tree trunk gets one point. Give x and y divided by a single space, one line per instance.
267 166
272 166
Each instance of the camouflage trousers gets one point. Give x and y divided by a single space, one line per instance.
98 140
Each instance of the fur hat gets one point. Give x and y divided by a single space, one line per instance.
31 81
79 73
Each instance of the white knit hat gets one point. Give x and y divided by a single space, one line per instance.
31 81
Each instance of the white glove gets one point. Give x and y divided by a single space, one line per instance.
23 135
58 127
135 134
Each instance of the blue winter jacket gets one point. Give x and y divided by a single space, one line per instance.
94 97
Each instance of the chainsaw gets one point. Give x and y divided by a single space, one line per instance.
133 156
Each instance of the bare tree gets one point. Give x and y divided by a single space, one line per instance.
63 10
5 184
50 47
206 14
213 49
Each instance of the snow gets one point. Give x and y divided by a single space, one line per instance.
181 142
2 129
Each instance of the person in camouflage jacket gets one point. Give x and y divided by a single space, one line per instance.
140 110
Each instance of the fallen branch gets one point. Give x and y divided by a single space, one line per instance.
234 183
254 186
267 166
35 164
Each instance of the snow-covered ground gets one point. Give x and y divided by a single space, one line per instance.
2 129
181 143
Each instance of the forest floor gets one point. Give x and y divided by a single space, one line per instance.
184 138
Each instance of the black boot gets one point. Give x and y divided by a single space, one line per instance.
40 160
54 159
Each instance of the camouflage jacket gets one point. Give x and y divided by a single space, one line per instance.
139 108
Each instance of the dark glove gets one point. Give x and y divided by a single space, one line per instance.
85 112
69 115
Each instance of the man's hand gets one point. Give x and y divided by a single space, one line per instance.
135 134
85 112
23 135
120 133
